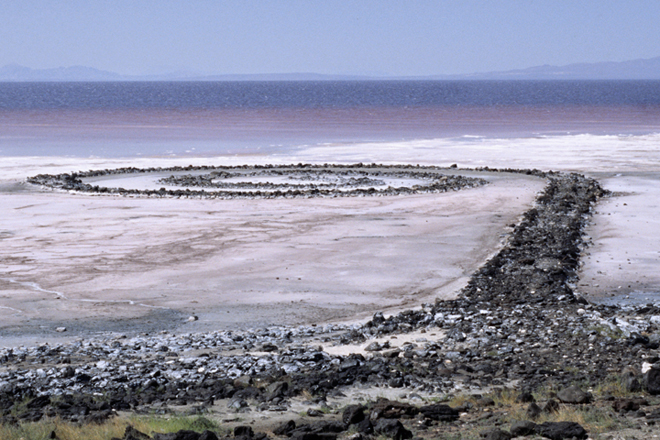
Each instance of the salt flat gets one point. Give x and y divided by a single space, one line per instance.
92 263
103 263
622 265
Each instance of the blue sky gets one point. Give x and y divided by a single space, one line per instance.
406 37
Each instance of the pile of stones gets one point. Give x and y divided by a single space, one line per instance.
317 179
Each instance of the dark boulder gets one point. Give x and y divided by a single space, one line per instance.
574 394
652 380
495 434
243 431
183 434
439 412
365 427
208 435
285 428
627 405
131 433
390 409
631 383
392 428
321 430
561 430
551 406
353 414
276 389
313 436
522 428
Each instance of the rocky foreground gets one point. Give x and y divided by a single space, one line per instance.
518 325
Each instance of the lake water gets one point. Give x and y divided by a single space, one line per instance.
172 119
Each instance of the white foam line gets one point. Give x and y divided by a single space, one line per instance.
36 287
126 301
131 302
11 308
154 307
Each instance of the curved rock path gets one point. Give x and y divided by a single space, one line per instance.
231 182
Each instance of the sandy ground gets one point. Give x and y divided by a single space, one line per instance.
623 264
94 262
91 263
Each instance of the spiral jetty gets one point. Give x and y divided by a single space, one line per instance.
519 324
214 182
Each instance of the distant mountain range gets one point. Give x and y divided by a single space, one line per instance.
635 69
17 73
14 72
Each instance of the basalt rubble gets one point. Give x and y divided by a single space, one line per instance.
213 182
519 323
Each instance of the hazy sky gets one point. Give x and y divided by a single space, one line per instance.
405 37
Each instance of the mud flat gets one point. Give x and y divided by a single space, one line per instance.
91 262
621 266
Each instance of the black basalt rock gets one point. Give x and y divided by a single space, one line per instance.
496 434
439 412
652 380
392 428
285 428
353 414
574 394
561 430
534 411
243 431
522 428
